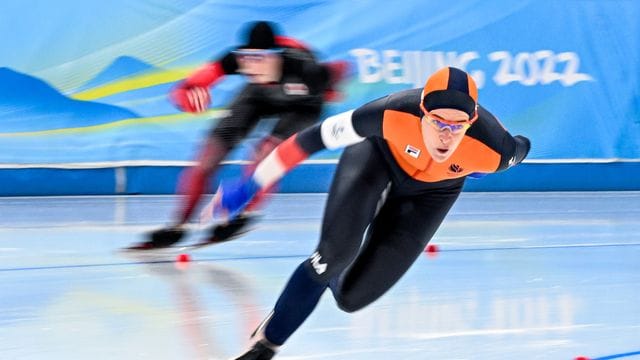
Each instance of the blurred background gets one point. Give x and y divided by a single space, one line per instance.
541 270
83 84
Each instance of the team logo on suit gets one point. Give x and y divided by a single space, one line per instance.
414 152
455 168
295 89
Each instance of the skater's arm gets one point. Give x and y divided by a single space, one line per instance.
192 94
335 132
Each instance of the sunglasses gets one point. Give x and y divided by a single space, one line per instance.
255 55
455 127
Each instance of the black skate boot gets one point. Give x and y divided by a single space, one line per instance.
258 351
232 229
160 238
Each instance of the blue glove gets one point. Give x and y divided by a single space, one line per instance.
233 196
476 175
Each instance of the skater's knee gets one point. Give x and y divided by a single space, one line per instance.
347 304
350 298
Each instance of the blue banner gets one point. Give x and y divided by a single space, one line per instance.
88 82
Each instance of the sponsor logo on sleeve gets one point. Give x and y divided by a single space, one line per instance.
336 131
319 267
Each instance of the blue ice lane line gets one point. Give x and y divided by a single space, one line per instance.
618 356
75 266
71 266
538 247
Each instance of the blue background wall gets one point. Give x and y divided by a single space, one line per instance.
83 106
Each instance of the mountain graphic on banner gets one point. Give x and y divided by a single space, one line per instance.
30 104
121 67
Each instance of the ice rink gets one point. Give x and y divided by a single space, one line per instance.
518 276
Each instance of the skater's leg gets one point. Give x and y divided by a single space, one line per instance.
360 179
395 239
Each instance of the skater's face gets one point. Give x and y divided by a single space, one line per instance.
259 65
443 130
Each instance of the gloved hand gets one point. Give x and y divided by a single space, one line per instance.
523 145
232 197
193 99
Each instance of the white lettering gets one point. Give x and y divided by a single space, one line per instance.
570 75
540 67
409 67
319 267
368 65
391 66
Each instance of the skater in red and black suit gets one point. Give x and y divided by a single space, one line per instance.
407 159
285 81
